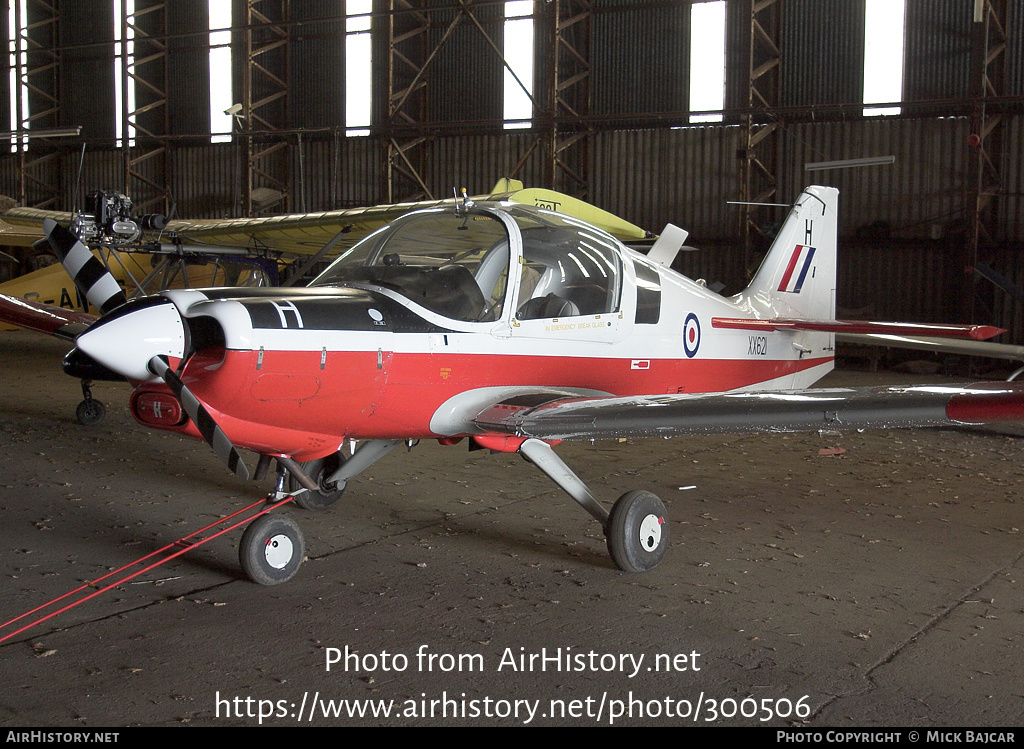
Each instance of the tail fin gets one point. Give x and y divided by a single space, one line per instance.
798 275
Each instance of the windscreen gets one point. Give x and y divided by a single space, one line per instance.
454 265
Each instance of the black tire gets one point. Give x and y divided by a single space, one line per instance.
637 532
318 470
272 549
90 412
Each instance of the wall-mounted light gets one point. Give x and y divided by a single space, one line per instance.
817 166
56 132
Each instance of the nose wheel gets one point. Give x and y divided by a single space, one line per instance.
272 549
637 533
90 411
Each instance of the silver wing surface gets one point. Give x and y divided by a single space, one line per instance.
737 412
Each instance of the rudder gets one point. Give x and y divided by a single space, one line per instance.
798 275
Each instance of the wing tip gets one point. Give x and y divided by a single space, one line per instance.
974 408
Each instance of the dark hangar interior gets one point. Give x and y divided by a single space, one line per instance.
831 580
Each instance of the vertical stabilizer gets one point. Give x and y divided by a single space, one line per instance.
798 275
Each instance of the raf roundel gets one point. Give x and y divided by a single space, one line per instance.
691 335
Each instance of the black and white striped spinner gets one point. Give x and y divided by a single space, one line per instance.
89 274
204 422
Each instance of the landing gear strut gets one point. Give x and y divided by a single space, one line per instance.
635 530
273 547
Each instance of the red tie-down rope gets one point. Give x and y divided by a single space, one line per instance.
184 543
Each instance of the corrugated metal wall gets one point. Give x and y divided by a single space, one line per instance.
318 63
87 75
938 49
639 58
1015 50
465 78
188 61
643 58
822 45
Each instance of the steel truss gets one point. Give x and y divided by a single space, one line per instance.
265 85
142 52
567 167
984 180
37 66
760 129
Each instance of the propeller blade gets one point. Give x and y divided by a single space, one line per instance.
196 411
89 274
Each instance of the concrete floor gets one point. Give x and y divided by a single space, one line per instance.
868 579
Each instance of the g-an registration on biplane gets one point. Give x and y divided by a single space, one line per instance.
510 325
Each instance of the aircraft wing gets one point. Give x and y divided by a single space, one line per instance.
44 318
307 233
19 235
740 412
293 234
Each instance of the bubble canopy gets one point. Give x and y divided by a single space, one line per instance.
459 265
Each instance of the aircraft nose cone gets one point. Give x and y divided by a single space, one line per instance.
127 339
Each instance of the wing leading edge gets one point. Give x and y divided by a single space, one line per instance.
44 318
738 412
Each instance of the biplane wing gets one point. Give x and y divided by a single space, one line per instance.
308 233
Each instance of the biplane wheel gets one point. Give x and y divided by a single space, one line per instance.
318 470
637 532
272 549
90 412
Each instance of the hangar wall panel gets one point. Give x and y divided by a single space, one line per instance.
683 175
465 79
822 45
640 58
188 64
938 49
1015 50
87 75
318 63
924 187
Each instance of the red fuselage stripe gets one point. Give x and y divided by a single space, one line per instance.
292 406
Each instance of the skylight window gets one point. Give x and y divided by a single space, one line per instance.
883 55
221 94
707 61
124 88
17 25
518 33
358 64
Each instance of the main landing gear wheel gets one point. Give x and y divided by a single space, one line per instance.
637 533
318 470
272 549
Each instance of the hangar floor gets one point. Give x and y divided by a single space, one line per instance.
877 586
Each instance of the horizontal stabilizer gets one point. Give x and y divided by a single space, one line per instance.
973 332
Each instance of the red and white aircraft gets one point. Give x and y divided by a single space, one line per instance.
513 326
